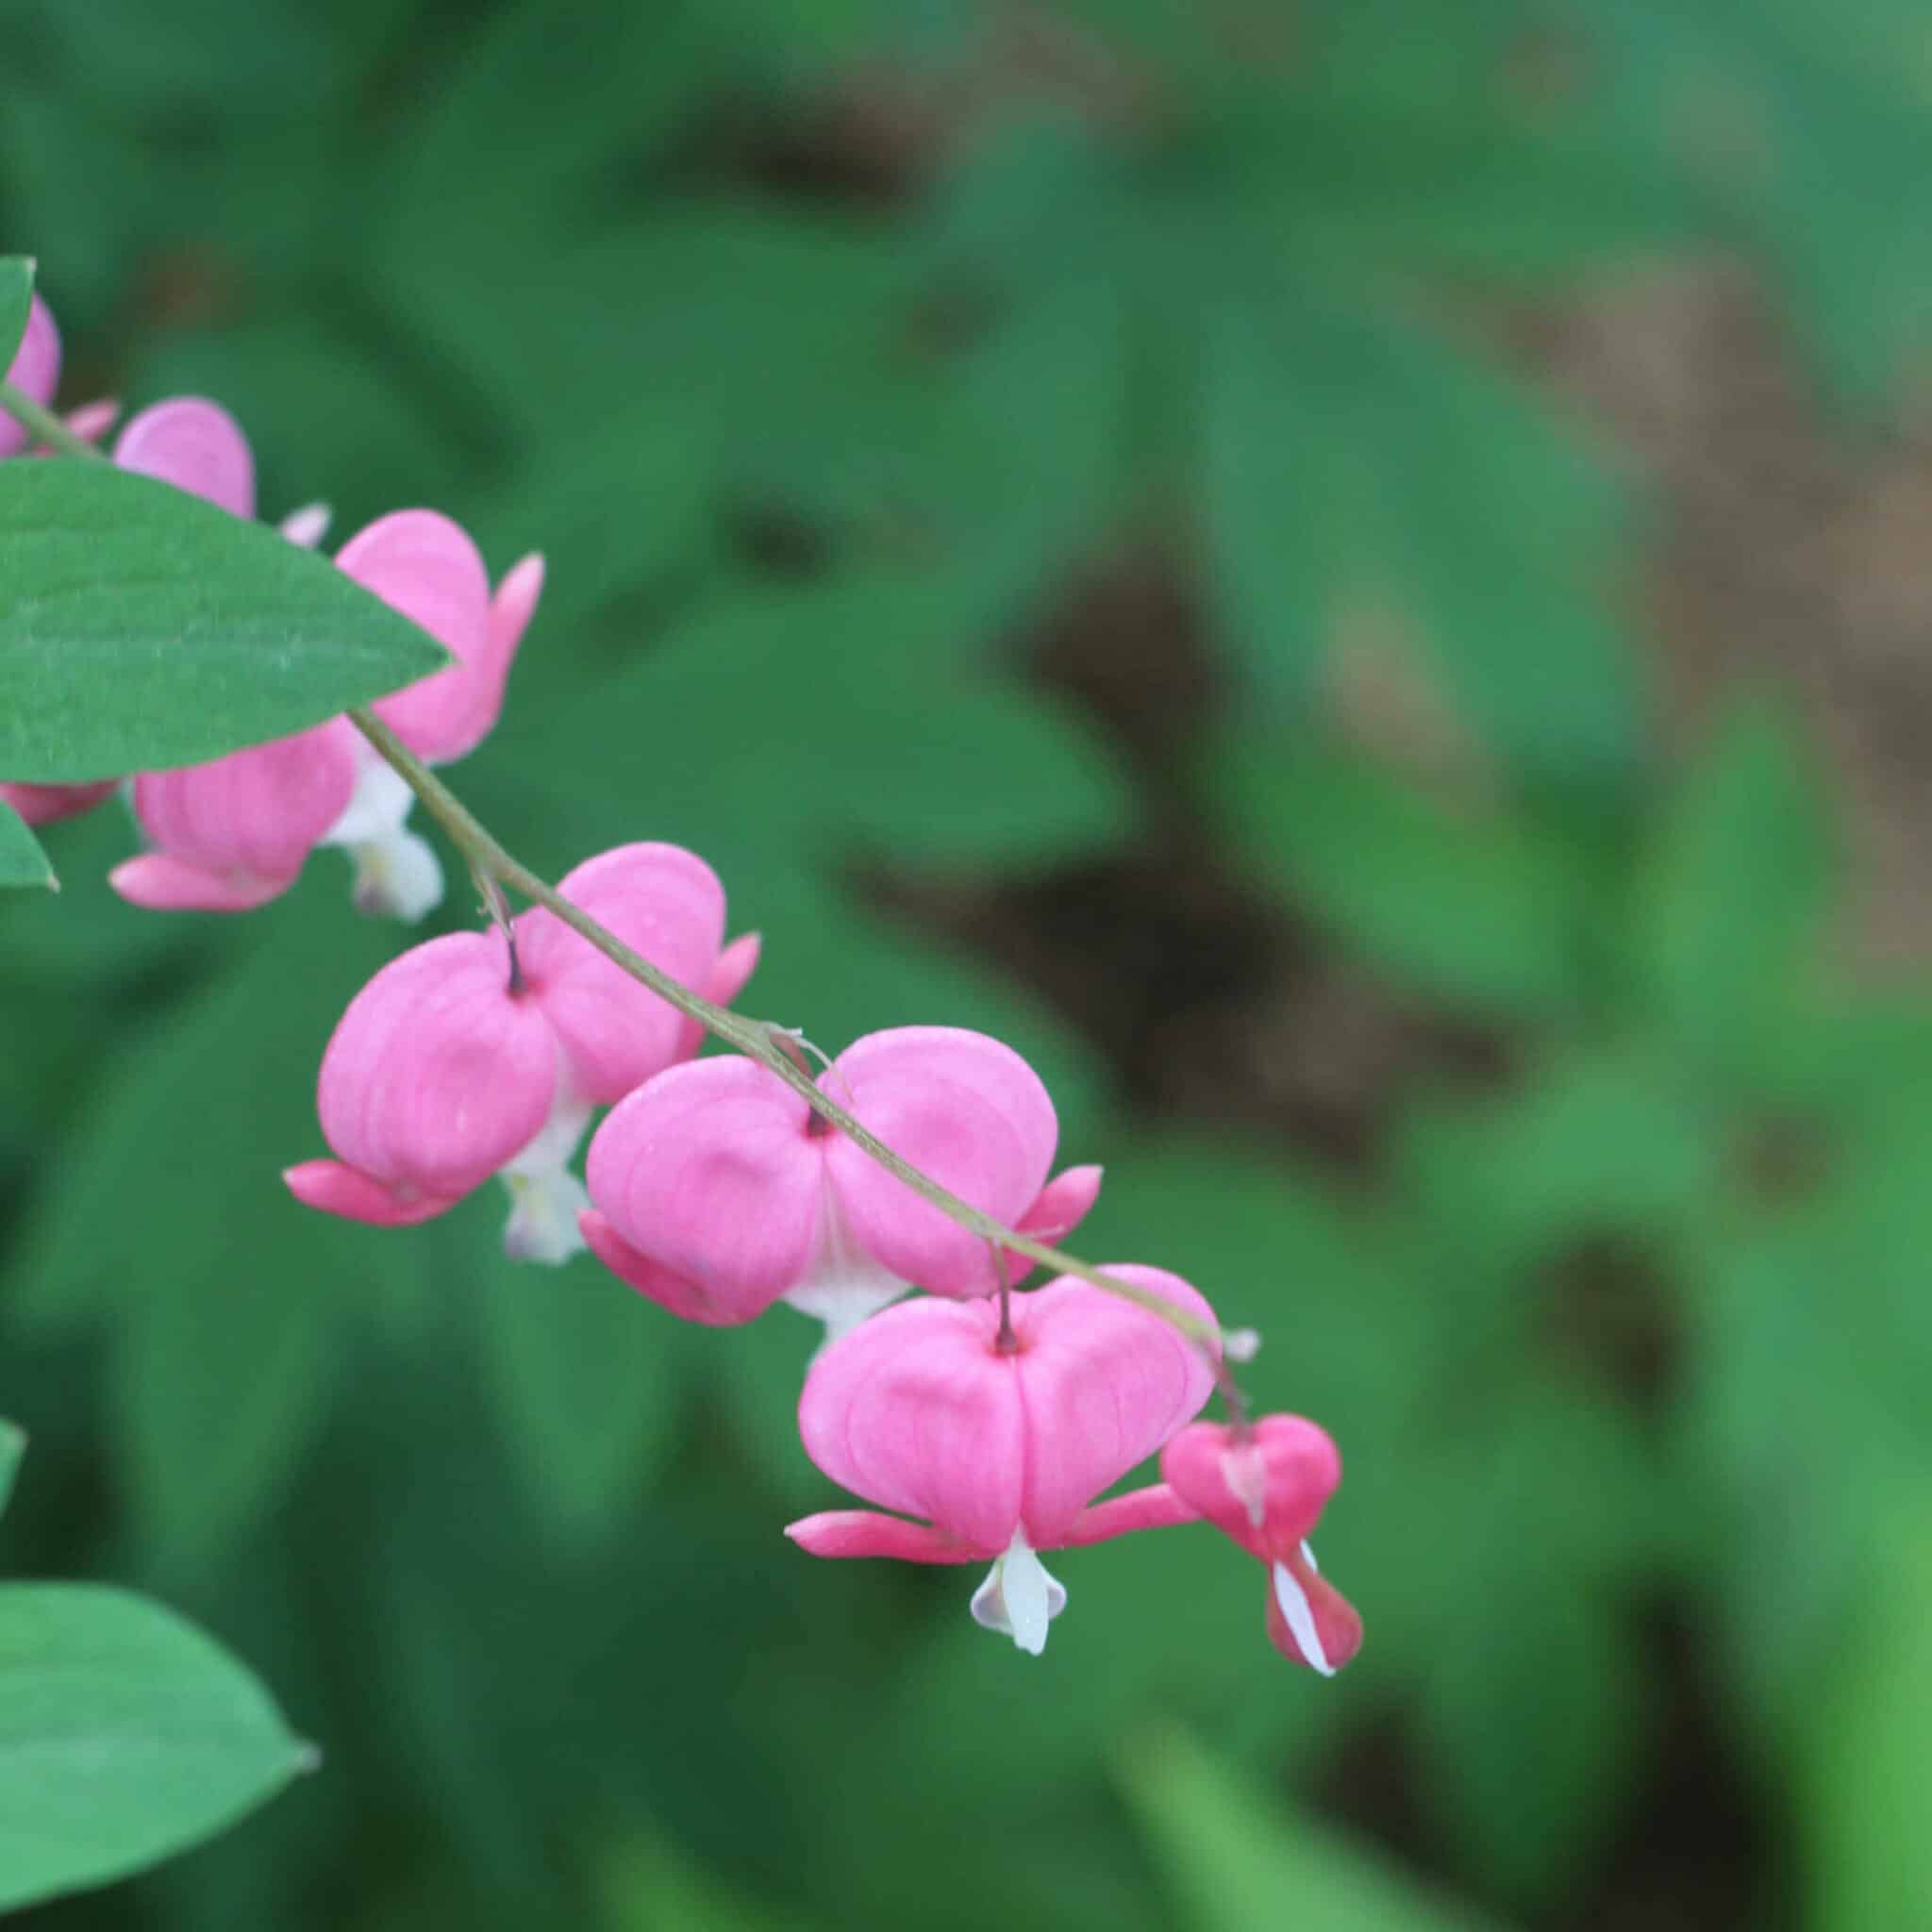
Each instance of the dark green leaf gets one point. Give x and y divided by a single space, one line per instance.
1609 1142
1466 902
1528 1734
589 1379
16 299
1863 1721
125 1736
226 1300
1795 121
819 725
1733 894
22 862
12 1447
647 1883
1386 516
1235 1862
143 627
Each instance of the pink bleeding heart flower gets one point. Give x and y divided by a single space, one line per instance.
1000 1450
234 832
484 1053
1266 1488
717 1190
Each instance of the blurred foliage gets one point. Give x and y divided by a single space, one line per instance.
826 349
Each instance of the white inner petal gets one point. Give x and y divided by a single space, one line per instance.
397 875
545 1197
1019 1598
844 1284
843 1302
1300 1614
306 527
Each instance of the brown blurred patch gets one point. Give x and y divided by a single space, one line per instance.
1794 547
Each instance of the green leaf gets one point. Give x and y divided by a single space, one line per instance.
1733 895
16 300
144 628
22 862
125 1734
1795 121
646 1883
226 1301
12 1447
1383 511
589 1379
1468 902
1535 1507
1858 1758
1813 1329
1235 1862
1610 1142
1528 1735
819 724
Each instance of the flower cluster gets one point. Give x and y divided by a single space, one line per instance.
983 1421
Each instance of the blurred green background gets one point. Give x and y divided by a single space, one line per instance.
1349 575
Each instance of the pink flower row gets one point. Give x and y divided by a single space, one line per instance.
986 1424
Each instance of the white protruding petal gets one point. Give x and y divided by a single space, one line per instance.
378 805
397 878
1309 1558
543 1225
397 875
545 1197
1019 1598
1300 1615
844 1284
306 527
843 1302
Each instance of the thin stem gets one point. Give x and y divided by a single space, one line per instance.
43 425
1005 1342
751 1038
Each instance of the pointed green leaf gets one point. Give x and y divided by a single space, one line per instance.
143 627
22 862
125 1734
16 299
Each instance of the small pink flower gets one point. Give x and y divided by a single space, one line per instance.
717 1190
464 1057
1267 1490
234 832
1001 1452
